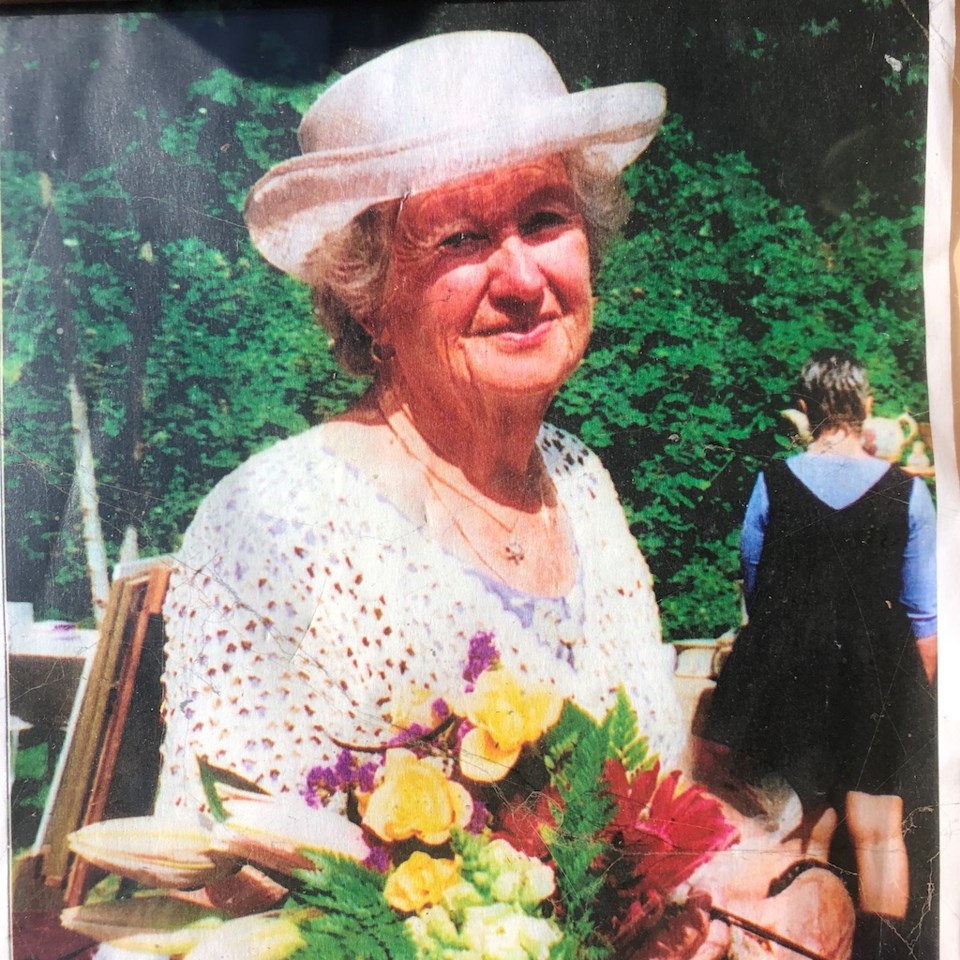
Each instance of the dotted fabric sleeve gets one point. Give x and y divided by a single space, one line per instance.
305 606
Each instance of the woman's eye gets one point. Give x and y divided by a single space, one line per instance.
461 239
543 220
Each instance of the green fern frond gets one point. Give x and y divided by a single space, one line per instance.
623 735
354 920
577 749
560 740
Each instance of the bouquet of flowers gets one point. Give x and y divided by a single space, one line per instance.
506 824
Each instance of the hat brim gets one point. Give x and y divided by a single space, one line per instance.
294 206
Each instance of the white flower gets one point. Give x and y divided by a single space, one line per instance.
179 852
460 896
259 937
432 929
143 924
272 831
516 877
499 932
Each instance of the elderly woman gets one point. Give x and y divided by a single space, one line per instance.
447 219
449 205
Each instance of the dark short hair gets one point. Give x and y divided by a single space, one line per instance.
350 267
834 386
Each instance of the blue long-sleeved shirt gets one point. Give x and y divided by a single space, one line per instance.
839 481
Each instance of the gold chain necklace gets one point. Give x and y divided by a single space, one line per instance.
513 549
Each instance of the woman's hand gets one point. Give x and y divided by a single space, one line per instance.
927 648
717 943
688 935
815 912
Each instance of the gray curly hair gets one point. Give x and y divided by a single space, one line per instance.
350 266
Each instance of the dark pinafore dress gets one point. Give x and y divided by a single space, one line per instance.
825 685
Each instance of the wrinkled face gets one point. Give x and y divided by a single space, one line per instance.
488 291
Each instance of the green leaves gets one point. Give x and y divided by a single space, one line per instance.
624 742
576 750
816 29
352 916
237 129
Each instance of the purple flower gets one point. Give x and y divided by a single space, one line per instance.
319 786
344 775
345 767
365 776
481 654
478 820
378 859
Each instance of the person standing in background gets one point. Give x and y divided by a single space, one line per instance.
830 682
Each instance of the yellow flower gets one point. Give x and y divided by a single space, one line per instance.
179 852
505 716
413 798
416 707
420 882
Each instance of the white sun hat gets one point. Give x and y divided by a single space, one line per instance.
429 113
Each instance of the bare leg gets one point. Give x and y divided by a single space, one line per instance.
875 825
814 833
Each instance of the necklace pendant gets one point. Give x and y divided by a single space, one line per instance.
514 552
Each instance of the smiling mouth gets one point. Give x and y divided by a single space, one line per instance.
519 329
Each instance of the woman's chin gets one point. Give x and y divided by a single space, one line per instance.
530 364
517 383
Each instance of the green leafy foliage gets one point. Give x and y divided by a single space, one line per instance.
63 258
29 790
624 742
757 44
237 129
575 752
192 353
352 917
816 29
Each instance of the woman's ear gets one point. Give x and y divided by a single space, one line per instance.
372 325
802 406
868 406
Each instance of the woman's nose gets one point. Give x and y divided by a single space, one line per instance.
516 275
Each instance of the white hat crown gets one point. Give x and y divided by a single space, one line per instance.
428 87
429 113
